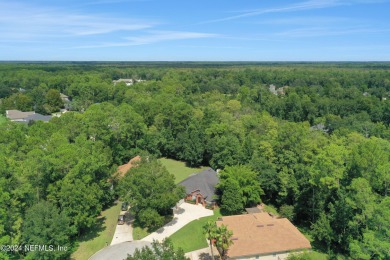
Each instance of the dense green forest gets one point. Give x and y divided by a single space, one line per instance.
318 149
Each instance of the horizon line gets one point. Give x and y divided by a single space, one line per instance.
199 61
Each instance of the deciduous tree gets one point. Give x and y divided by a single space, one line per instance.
45 225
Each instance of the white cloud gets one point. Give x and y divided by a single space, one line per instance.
323 31
307 20
25 22
153 37
158 36
308 5
300 6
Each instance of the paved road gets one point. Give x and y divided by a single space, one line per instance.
186 213
119 251
123 233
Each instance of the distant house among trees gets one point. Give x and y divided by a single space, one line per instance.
277 91
200 187
64 98
128 82
26 117
272 89
258 235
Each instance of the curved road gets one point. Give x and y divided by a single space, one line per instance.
119 251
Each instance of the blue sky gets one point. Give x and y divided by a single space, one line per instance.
213 30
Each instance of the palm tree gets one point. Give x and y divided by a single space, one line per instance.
223 240
210 229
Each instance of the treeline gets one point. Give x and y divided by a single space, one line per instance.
319 152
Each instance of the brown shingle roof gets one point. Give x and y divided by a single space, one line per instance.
16 115
123 169
260 234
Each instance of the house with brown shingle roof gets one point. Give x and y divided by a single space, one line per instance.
260 236
123 169
17 115
26 117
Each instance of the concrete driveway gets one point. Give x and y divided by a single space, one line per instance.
185 214
124 233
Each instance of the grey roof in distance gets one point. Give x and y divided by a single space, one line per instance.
38 117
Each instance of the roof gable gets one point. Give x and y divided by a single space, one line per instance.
123 169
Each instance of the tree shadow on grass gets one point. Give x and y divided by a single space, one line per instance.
319 247
94 231
189 165
315 244
137 224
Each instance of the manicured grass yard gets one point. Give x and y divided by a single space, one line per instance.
318 256
179 169
139 233
313 255
191 236
271 209
2 119
103 233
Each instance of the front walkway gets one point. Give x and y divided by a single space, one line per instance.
185 214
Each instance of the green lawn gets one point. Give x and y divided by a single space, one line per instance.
191 236
271 209
103 233
2 119
179 168
311 255
139 233
318 256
